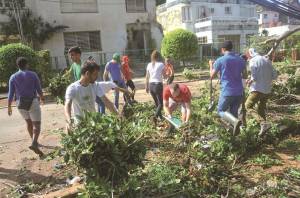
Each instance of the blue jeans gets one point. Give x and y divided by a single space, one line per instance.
101 106
120 84
231 103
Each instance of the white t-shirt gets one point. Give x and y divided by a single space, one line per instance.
83 98
155 71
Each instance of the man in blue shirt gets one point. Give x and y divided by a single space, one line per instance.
24 85
230 67
113 68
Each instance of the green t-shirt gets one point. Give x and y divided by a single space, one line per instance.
76 71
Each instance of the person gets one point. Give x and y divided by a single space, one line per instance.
127 73
169 71
154 83
81 95
24 86
75 69
230 67
174 95
113 68
260 83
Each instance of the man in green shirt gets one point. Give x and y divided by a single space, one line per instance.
75 70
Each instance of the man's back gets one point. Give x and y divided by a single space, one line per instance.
262 72
230 67
25 84
114 69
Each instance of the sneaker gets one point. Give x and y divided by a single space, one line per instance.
264 127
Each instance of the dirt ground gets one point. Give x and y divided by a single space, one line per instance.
20 165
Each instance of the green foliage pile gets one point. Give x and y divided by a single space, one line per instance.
106 149
179 44
290 86
39 61
202 159
188 74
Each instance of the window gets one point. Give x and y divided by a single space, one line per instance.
186 16
87 41
78 6
228 10
202 40
6 3
212 10
201 12
265 16
136 5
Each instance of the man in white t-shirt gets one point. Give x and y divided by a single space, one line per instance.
81 95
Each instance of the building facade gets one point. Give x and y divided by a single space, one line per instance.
99 27
213 21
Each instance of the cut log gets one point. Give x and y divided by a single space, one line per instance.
69 192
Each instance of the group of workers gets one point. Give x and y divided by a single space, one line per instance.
89 87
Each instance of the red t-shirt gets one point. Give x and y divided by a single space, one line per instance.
183 97
126 71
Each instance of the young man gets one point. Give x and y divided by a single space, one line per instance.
174 95
169 71
114 69
127 73
24 85
81 95
230 66
260 83
75 70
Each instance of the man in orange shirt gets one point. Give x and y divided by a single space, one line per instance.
127 73
173 95
169 71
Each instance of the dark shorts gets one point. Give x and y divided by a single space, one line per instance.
130 84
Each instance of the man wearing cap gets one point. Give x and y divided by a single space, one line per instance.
260 83
230 67
113 68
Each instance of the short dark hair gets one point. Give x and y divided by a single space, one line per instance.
22 63
174 86
227 45
89 66
75 49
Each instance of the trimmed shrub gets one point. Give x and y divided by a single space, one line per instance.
179 44
8 56
39 61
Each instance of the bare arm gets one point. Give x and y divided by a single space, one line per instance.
167 109
213 72
188 111
67 108
147 82
109 105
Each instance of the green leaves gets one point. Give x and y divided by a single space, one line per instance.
58 86
179 44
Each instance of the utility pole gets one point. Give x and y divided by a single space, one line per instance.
15 6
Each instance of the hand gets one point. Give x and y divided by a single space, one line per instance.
249 82
69 126
211 63
9 110
42 98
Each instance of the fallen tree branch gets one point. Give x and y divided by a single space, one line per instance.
278 40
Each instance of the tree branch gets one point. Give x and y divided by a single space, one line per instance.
278 40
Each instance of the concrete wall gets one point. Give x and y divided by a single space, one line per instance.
110 20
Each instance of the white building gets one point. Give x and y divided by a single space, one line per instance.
100 27
213 21
275 23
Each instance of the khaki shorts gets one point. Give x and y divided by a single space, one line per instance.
34 113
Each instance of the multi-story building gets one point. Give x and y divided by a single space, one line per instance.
275 23
97 26
213 21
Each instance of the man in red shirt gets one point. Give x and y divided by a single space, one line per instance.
175 94
127 74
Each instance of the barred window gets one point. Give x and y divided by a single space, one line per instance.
6 3
136 5
78 6
202 40
87 41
